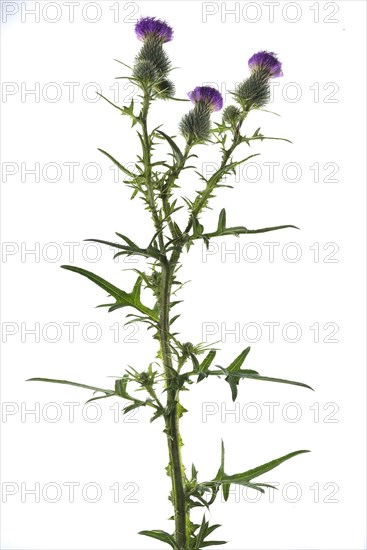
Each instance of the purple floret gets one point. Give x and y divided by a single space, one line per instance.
147 26
209 96
266 60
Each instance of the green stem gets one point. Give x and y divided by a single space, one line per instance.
148 168
174 441
166 193
195 213
172 412
168 268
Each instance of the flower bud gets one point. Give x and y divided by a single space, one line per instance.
195 125
145 72
254 92
164 89
231 115
153 53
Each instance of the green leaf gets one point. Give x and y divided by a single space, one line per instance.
249 475
238 362
160 535
157 414
233 379
123 299
54 381
100 397
222 230
240 230
213 543
207 361
261 137
221 474
222 221
270 379
111 103
205 530
117 163
177 154
212 528
233 372
217 176
135 405
127 240
201 534
124 64
205 364
149 252
245 478
128 111
120 387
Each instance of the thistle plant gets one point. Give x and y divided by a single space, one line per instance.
155 180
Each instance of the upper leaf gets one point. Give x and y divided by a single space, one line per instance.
178 155
223 230
122 298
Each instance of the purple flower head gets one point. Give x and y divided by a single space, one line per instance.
268 61
148 26
207 95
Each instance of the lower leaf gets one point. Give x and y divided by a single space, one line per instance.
160 535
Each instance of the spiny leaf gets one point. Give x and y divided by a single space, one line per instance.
128 111
240 230
222 221
120 388
123 299
207 361
261 137
127 240
221 474
117 163
160 535
149 252
110 102
245 478
270 379
205 364
178 155
249 475
232 372
213 543
204 531
100 397
238 362
133 406
122 63
54 381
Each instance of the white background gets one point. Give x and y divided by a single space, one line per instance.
321 100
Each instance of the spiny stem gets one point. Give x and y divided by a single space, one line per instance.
148 167
185 235
167 191
168 268
172 417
